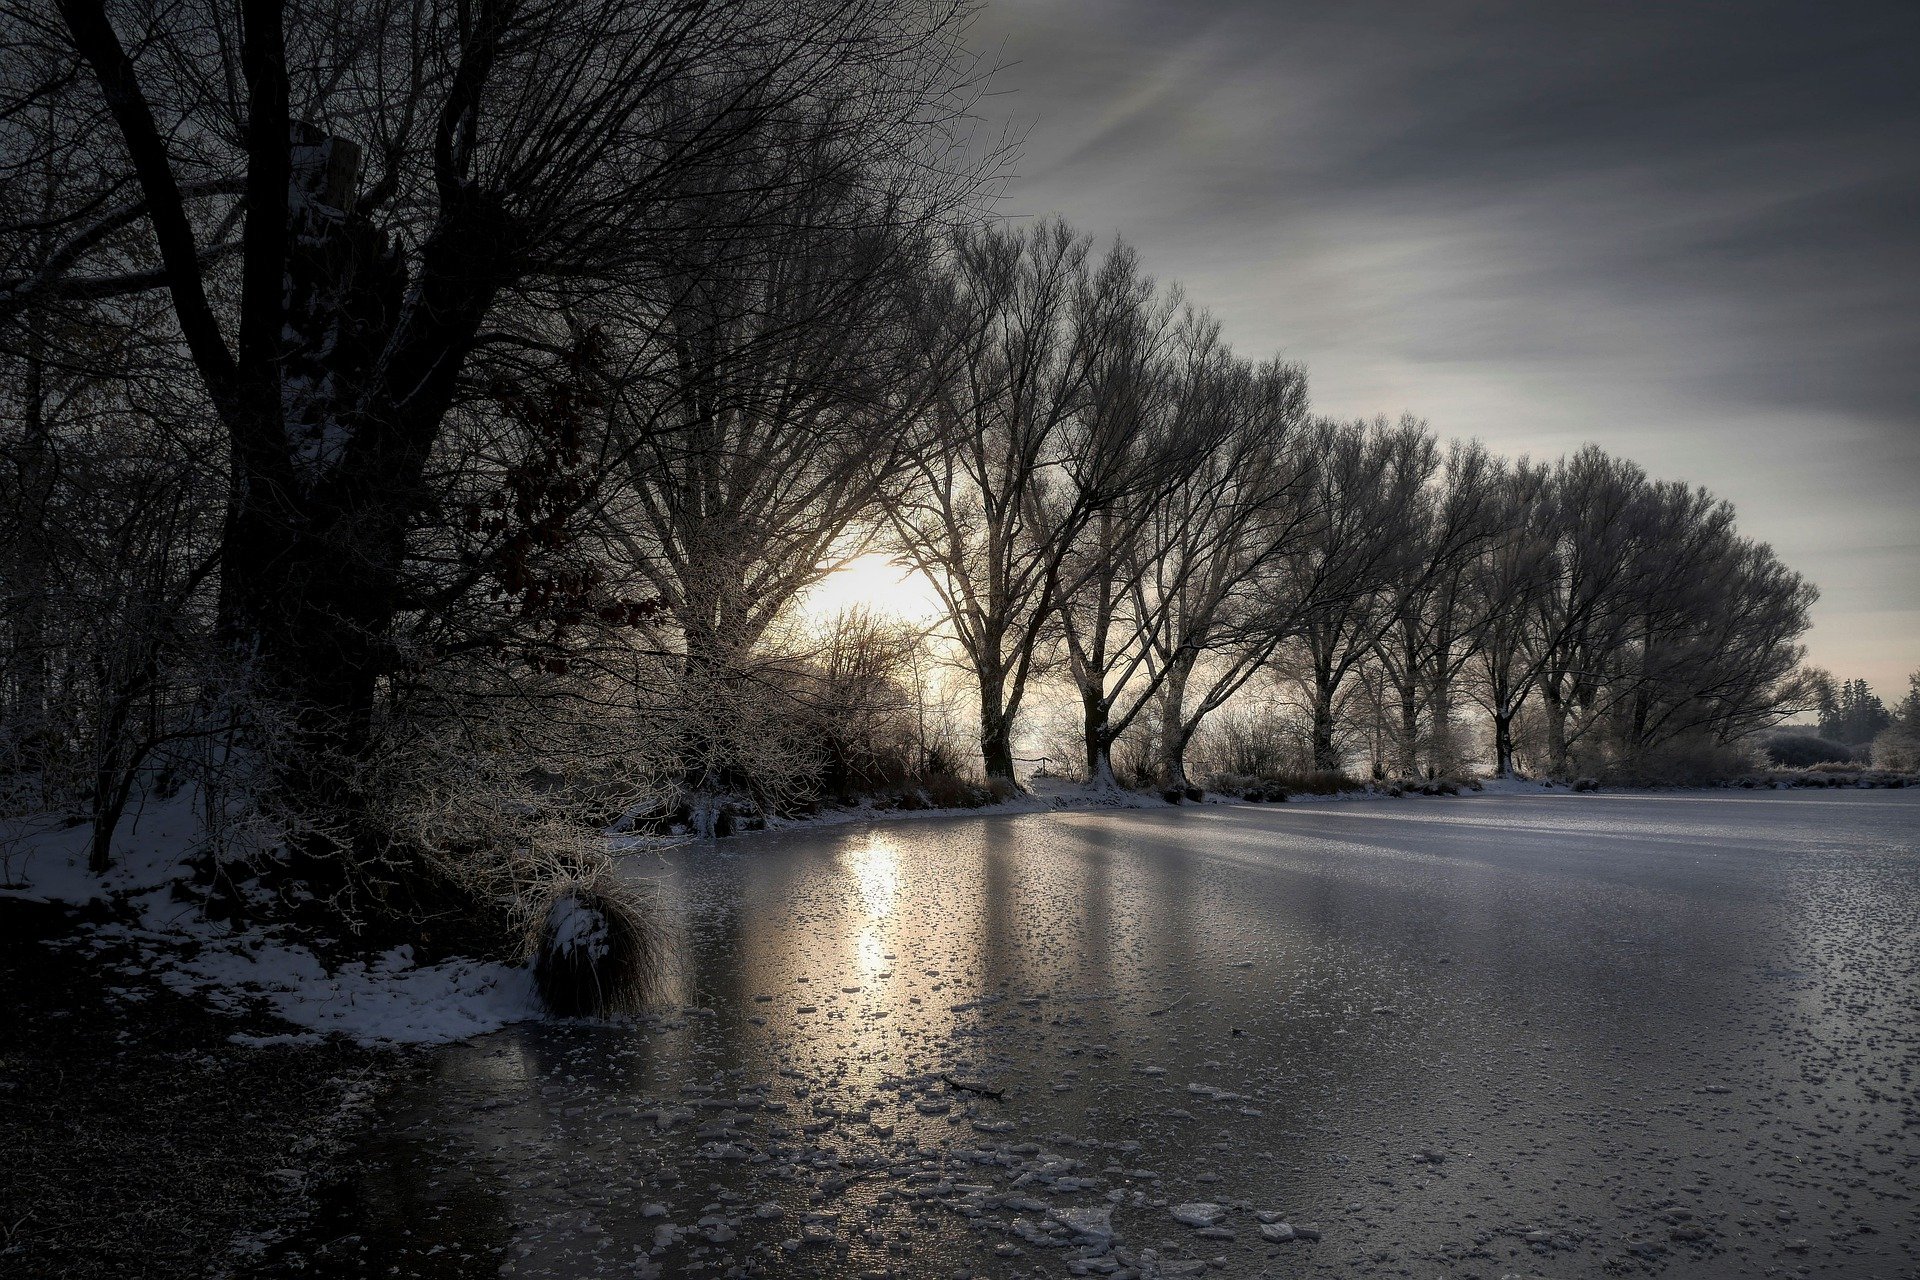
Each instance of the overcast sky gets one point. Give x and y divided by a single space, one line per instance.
1687 231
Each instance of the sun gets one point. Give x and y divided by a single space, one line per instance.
878 583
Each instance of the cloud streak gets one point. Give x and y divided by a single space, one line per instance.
1684 230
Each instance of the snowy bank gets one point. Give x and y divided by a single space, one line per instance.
1043 795
1064 795
156 911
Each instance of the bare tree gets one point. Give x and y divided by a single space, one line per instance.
1433 631
1708 636
1218 536
1510 578
108 509
1601 523
1023 464
767 410
1344 582
1176 381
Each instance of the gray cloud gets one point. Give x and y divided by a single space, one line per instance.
1685 230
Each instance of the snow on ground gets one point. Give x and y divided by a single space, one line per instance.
1043 795
1064 795
390 1000
49 864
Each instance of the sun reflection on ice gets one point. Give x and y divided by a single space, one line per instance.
876 867
870 953
876 870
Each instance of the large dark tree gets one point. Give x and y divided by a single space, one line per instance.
352 209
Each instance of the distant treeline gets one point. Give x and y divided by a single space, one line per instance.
1854 727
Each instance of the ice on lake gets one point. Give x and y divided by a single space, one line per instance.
1498 1034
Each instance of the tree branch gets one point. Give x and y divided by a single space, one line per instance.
263 268
94 37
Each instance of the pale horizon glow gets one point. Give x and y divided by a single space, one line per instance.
883 585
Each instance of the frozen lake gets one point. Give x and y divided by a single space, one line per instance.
1556 1035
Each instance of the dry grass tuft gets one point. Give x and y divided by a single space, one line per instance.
599 949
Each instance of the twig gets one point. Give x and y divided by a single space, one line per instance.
12 1233
1154 1013
998 1095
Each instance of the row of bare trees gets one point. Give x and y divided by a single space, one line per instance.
408 397
1132 505
1109 491
1627 613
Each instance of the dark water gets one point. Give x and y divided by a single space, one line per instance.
1489 1036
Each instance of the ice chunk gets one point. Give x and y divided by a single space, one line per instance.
1201 1213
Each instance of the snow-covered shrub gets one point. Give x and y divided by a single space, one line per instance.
1253 741
1245 787
494 801
1135 755
948 790
734 732
810 713
598 949
859 690
1314 782
1898 748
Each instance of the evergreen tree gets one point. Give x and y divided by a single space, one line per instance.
1855 716
1906 713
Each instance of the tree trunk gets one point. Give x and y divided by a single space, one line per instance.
1324 755
1409 729
36 485
1174 741
1099 742
1503 744
996 731
311 602
1175 733
1555 712
1636 734
29 570
1440 752
113 787
707 694
308 607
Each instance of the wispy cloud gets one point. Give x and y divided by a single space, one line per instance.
1686 230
